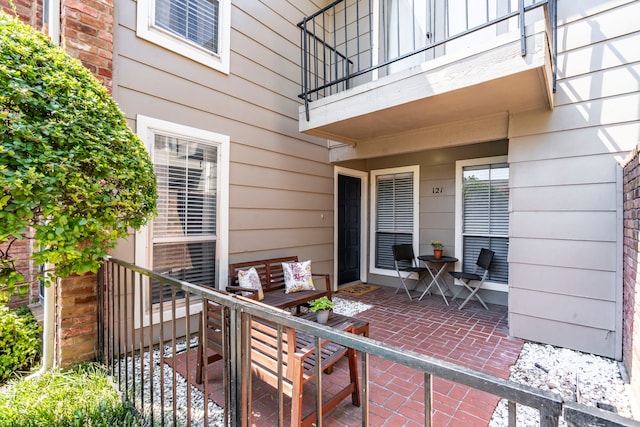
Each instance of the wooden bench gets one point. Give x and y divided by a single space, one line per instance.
273 286
297 364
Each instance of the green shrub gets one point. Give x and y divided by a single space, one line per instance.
83 396
70 167
19 341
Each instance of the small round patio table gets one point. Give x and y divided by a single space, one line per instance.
439 266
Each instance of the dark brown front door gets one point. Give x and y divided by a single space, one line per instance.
349 198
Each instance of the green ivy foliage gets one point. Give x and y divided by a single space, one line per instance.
70 167
81 397
19 341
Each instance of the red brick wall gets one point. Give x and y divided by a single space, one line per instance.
21 251
87 34
76 319
631 280
29 11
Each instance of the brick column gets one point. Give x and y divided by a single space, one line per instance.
631 280
76 326
87 34
86 29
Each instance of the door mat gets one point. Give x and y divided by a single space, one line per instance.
358 289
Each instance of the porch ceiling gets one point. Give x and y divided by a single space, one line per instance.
473 83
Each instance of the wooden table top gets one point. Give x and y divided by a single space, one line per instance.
361 327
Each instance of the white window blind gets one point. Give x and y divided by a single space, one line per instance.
486 217
184 232
394 215
193 20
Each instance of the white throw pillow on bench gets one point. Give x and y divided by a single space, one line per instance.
251 280
297 276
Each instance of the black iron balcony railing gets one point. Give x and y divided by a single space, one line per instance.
351 42
139 343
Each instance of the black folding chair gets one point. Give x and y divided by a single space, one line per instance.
482 264
406 263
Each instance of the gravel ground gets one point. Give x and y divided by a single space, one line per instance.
589 379
585 378
151 395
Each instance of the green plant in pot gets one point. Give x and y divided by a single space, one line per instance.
322 307
437 248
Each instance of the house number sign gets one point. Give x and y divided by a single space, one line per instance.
437 190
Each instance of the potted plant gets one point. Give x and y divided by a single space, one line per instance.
322 307
437 248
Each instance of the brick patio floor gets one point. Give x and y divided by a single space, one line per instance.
472 337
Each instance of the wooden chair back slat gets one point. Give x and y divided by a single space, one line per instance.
299 359
212 336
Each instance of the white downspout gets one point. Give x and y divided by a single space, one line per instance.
48 333
53 22
48 328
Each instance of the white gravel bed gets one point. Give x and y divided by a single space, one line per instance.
585 378
164 404
348 307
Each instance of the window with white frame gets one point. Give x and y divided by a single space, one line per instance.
394 207
483 212
183 240
197 29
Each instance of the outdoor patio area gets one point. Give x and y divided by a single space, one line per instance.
472 337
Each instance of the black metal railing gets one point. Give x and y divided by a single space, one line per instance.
351 42
140 342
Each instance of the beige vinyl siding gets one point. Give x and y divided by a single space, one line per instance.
280 181
597 197
585 141
586 226
565 285
558 279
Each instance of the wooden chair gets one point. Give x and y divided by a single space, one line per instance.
211 336
298 365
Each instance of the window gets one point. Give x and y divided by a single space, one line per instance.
193 20
394 204
483 209
407 28
197 29
186 240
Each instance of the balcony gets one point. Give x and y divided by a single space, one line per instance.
430 63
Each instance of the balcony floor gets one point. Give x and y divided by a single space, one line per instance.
472 337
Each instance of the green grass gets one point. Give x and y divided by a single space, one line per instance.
83 396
